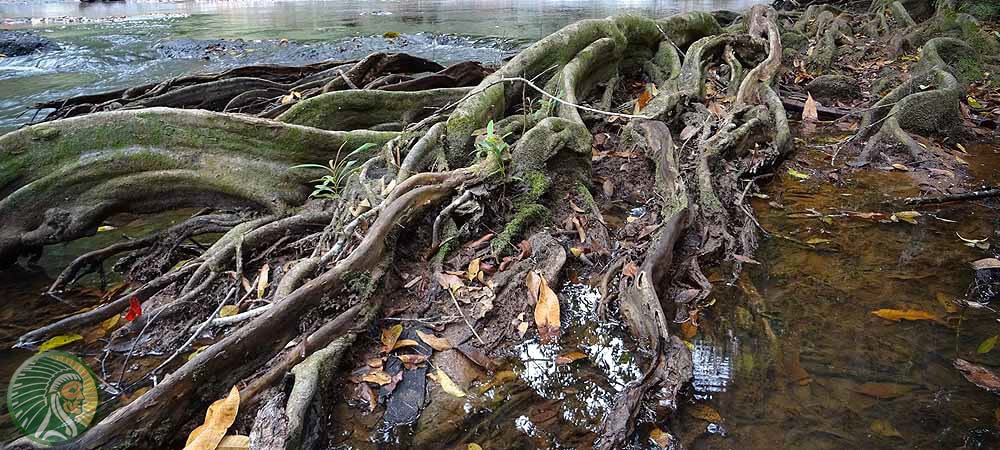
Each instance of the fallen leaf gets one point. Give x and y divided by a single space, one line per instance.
197 352
107 325
450 282
437 343
810 111
979 375
704 412
229 310
986 263
896 315
884 391
405 343
134 309
501 377
988 344
816 240
901 167
377 376
884 428
59 341
642 101
973 102
630 270
473 269
412 361
474 446
570 356
219 417
905 216
797 174
688 330
447 385
262 280
546 306
661 438
522 328
104 228
390 336
947 302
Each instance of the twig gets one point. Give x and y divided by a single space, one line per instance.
974 195
347 80
466 319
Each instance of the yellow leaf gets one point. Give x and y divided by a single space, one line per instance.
501 377
107 325
660 437
390 336
570 356
262 280
219 417
816 240
405 343
704 412
577 251
797 174
901 167
961 148
229 310
473 269
905 216
884 428
896 315
447 385
973 102
104 228
474 446
546 306
437 343
809 110
197 352
450 282
59 341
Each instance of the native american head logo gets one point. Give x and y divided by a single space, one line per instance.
52 397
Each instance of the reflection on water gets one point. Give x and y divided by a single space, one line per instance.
116 44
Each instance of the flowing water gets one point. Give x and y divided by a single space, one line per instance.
788 356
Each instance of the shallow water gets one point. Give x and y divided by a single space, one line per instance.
111 45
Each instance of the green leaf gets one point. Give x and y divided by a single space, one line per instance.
489 128
988 344
309 166
797 174
973 102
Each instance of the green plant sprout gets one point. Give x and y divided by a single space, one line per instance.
494 145
339 170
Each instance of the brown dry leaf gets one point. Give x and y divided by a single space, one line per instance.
450 282
570 356
522 328
412 361
642 101
688 330
390 336
979 375
630 270
884 391
262 280
377 376
375 362
501 377
546 307
246 284
447 385
473 269
660 437
900 167
884 428
810 111
437 343
405 343
896 315
986 263
219 417
704 412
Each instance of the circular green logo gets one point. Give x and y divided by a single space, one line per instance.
52 397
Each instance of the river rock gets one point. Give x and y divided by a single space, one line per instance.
833 87
19 43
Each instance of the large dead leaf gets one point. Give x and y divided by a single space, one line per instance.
896 315
262 281
884 391
810 111
704 412
219 417
447 385
390 336
437 343
234 442
979 375
546 307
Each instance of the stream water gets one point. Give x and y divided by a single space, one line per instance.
790 356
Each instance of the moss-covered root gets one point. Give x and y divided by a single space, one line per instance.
551 54
369 109
927 104
59 180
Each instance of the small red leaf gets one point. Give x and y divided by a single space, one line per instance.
134 309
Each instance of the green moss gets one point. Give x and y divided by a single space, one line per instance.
524 217
982 10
